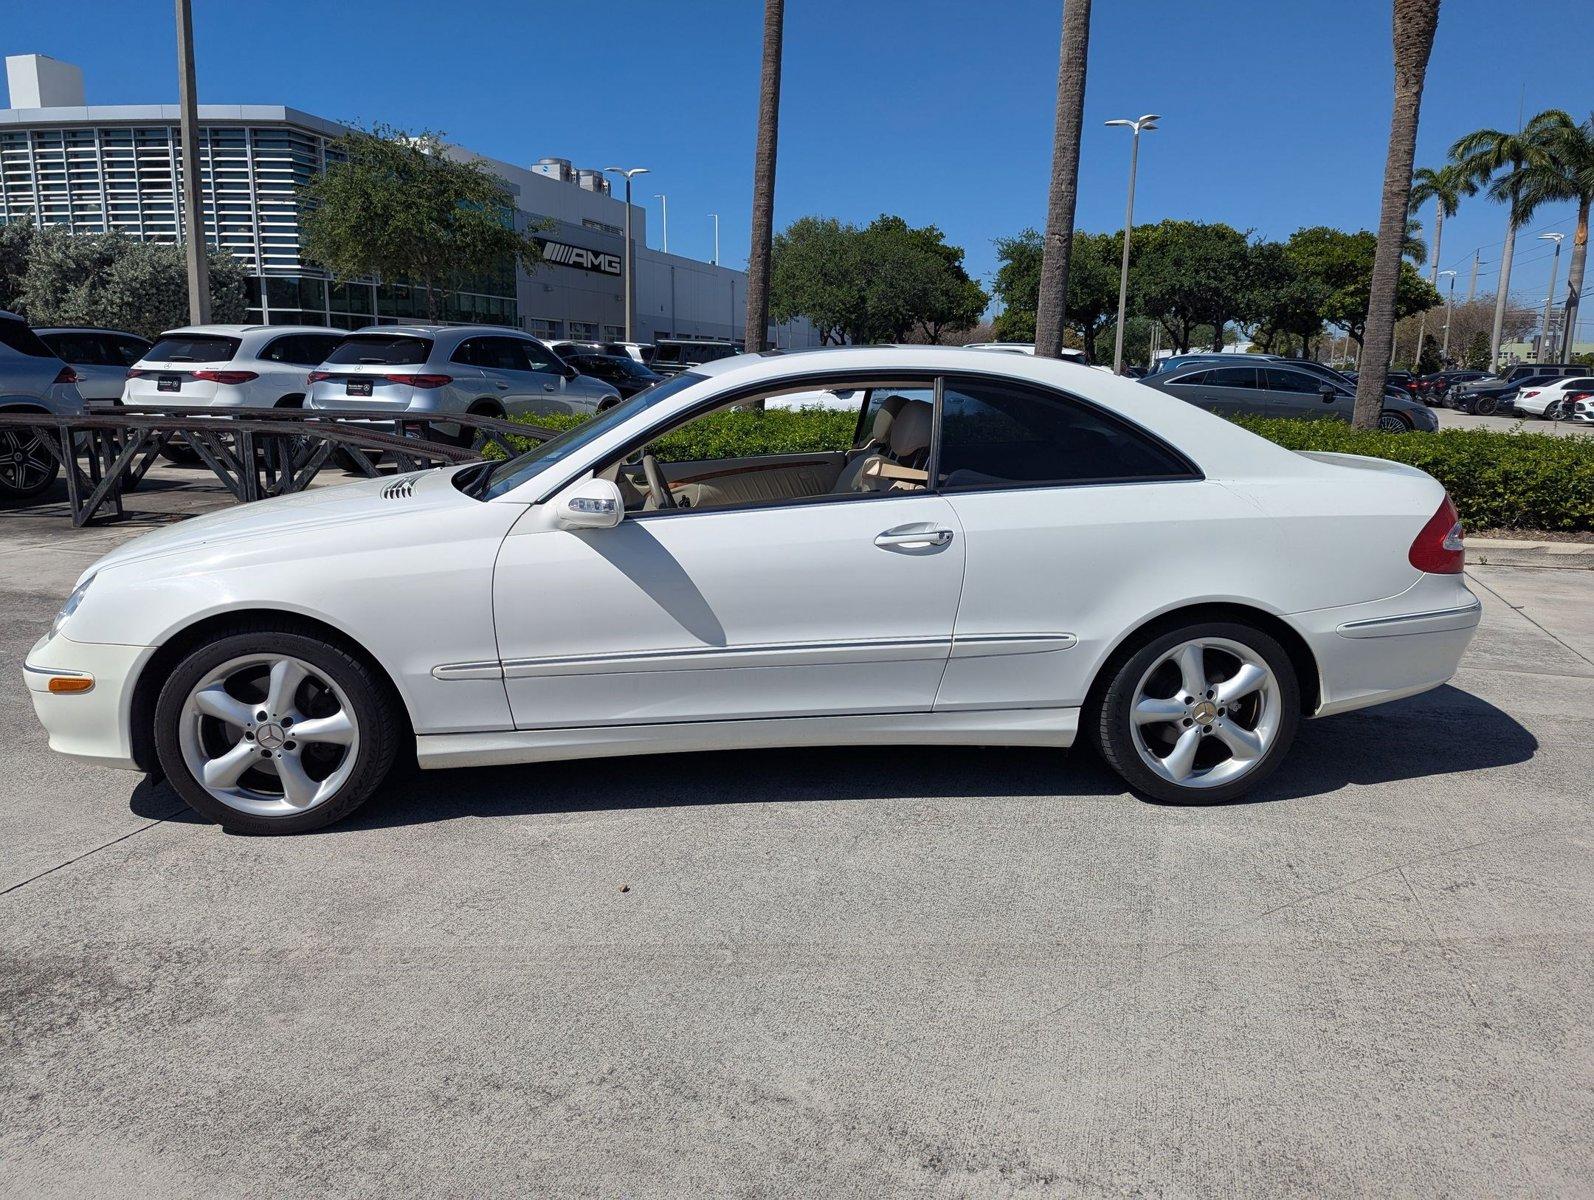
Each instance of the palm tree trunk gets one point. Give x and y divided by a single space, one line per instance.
1064 190
758 255
1414 25
1500 293
1574 283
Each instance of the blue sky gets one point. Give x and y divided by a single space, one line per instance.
1275 113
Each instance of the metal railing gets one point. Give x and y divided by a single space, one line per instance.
256 453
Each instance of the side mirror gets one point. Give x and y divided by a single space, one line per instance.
1328 392
589 504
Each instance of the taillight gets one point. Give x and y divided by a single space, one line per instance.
421 381
135 373
318 376
226 376
1531 392
66 375
1438 549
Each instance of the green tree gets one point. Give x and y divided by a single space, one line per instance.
817 273
1338 266
1283 304
16 239
913 281
1567 175
117 281
1510 163
1188 274
395 206
1017 285
1092 288
1477 356
1445 186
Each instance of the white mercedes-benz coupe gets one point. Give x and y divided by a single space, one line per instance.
1003 550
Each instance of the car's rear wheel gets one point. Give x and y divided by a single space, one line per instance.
1393 422
263 730
1199 714
1485 405
27 468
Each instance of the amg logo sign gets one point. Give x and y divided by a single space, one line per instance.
566 255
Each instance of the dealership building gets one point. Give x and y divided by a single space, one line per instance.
104 168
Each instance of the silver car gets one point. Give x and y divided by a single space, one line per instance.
230 366
101 358
1279 388
435 369
32 379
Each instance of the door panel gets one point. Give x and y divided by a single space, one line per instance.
790 610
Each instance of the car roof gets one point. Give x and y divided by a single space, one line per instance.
436 331
241 330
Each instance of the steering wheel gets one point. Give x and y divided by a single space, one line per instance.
657 488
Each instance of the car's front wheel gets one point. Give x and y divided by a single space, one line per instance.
267 730
1199 714
1393 422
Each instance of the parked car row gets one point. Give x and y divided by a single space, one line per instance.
1498 393
1263 386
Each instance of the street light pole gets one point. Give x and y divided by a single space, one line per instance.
1546 348
664 214
716 259
1147 122
1449 305
628 284
193 190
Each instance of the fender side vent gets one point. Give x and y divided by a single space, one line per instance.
399 489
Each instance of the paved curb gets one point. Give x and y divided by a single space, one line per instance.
1503 552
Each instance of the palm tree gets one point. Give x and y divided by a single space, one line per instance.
1414 24
758 255
1570 176
1509 162
1445 187
1059 241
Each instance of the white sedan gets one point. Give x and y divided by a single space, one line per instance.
1555 397
1006 551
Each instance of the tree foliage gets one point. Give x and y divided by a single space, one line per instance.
1187 274
116 281
1092 287
396 206
885 282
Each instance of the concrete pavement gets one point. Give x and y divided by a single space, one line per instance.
825 972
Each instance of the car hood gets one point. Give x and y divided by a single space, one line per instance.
386 498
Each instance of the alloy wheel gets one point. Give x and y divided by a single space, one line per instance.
1392 423
1206 713
269 735
25 461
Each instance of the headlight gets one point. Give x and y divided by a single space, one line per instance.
71 605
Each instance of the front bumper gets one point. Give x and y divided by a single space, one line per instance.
93 725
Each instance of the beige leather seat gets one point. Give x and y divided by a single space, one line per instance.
907 444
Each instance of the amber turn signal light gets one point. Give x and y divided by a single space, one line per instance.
71 683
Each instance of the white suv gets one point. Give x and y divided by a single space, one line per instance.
230 366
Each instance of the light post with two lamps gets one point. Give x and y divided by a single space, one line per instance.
1547 347
1147 122
628 283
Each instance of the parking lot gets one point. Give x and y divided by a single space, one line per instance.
822 972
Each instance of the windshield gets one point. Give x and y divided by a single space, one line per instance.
381 349
515 471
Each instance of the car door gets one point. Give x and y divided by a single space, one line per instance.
832 605
1065 511
1291 393
564 389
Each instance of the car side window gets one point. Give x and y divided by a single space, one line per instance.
502 354
997 433
1233 377
1276 379
283 350
1190 380
539 357
129 350
465 353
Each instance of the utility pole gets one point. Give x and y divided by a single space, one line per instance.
664 213
193 190
1450 303
1472 284
716 259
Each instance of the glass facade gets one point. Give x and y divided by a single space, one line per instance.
127 178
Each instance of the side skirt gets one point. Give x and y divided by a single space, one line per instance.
1008 727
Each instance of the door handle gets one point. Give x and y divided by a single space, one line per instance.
502 386
549 387
914 538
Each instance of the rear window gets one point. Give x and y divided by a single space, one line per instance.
380 350
23 340
199 348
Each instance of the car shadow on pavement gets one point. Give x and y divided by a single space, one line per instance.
1439 733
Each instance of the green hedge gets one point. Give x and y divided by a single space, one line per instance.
1499 480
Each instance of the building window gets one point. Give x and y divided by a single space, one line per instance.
537 327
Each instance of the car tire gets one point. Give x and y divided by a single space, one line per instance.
180 453
27 468
1485 406
1154 676
1391 421
337 691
